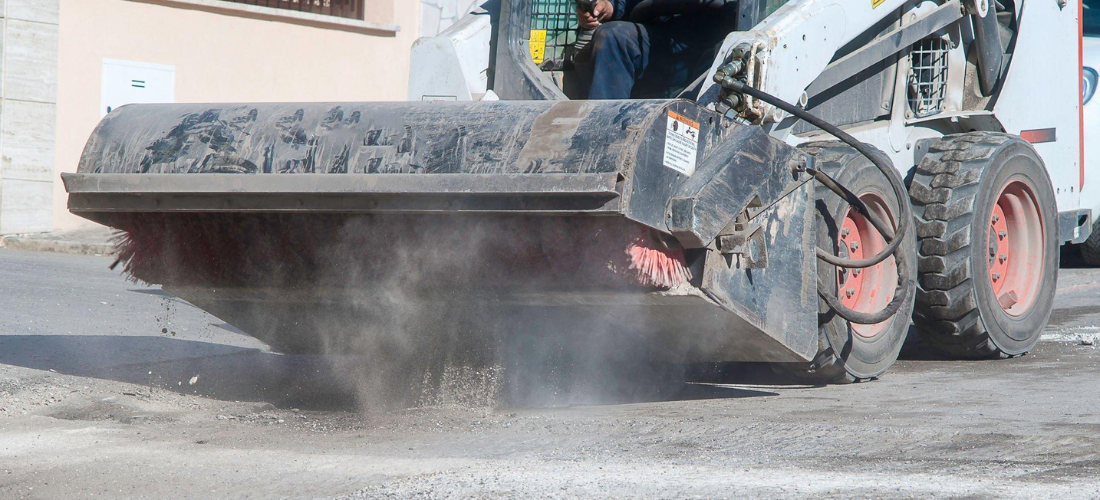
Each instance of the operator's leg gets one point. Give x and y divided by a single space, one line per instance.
619 55
679 51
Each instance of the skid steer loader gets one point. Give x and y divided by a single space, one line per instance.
844 169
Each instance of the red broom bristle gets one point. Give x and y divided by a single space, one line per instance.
656 263
227 250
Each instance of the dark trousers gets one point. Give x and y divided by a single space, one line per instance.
626 59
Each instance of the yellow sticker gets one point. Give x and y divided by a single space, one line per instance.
876 3
538 45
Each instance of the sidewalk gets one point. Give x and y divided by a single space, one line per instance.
94 240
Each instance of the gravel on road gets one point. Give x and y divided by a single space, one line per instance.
111 389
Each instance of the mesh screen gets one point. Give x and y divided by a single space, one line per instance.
927 76
556 22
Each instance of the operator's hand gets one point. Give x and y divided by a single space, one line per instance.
602 12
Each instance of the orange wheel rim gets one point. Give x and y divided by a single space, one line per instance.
1016 246
866 290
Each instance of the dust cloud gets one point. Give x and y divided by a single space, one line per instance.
436 323
412 310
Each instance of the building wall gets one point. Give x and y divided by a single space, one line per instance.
220 57
28 89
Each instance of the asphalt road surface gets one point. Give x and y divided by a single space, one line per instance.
110 389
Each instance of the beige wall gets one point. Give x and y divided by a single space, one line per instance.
219 58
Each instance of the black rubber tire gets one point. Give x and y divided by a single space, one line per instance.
1090 249
954 190
843 356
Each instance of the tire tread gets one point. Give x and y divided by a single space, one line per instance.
944 189
828 366
1090 249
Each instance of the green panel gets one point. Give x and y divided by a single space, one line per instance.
559 19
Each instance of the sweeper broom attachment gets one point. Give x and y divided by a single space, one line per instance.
291 221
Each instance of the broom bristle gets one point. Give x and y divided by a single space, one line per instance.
657 264
228 250
124 250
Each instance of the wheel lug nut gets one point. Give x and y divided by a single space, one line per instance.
996 276
845 232
1002 257
855 272
855 246
850 292
996 218
1002 234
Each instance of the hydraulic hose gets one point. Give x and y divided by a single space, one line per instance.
876 157
894 238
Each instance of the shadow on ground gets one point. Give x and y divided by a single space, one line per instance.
223 372
323 383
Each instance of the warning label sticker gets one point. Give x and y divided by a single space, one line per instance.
681 143
538 46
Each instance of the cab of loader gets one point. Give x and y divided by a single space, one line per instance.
526 49
538 60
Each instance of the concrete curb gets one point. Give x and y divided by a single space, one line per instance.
93 241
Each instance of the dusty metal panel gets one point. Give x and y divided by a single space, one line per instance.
1074 226
301 188
650 183
750 168
92 207
379 193
781 298
472 184
372 138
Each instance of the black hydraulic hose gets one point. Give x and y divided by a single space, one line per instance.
862 318
852 199
876 157
895 238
